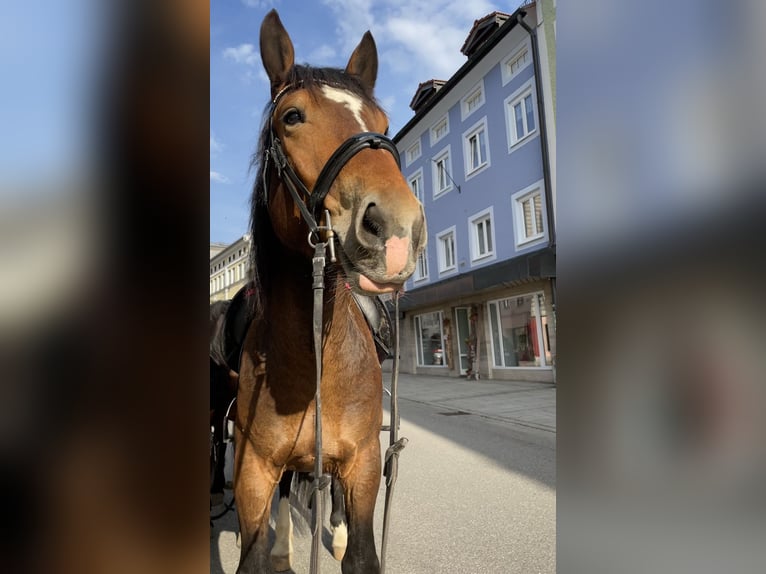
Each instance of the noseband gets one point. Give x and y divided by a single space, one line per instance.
311 210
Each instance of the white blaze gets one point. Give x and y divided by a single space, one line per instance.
351 101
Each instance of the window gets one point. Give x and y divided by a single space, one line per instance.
472 101
475 150
413 153
416 184
529 214
429 339
421 269
445 248
516 62
520 334
439 130
482 235
442 173
520 116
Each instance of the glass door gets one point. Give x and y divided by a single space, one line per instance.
463 333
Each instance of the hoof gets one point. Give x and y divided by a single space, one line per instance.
281 563
339 541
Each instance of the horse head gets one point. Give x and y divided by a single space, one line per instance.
326 121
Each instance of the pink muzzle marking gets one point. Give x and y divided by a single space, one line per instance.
397 254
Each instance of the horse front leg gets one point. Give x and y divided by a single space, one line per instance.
361 485
338 520
254 483
282 551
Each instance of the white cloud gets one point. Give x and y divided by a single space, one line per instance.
323 55
243 54
422 38
215 146
258 3
218 178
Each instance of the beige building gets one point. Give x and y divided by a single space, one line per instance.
229 268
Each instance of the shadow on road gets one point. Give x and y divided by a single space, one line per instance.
487 437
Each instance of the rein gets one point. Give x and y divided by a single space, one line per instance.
311 213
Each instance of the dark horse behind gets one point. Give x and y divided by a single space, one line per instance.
379 232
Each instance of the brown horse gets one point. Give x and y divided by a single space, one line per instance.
380 231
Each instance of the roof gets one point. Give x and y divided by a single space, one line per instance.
480 52
482 29
425 90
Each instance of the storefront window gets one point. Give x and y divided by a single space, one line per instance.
429 339
518 332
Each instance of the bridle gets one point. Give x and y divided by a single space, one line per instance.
311 209
310 203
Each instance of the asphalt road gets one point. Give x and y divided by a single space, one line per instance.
474 496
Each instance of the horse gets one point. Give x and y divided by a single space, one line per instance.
229 320
222 392
322 155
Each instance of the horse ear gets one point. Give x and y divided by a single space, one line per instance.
364 62
277 52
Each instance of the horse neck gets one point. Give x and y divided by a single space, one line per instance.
291 317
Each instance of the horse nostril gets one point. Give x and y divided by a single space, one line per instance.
372 221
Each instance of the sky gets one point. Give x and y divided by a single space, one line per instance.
416 41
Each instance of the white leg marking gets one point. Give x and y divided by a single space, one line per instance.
351 101
339 540
282 552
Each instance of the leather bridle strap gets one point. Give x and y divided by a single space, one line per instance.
320 480
330 171
391 468
341 157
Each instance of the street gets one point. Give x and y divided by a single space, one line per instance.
475 494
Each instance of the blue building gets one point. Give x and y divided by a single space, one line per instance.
478 154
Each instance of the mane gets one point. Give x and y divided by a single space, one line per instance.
264 240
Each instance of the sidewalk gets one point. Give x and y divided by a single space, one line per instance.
528 404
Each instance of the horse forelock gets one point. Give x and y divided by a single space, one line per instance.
262 234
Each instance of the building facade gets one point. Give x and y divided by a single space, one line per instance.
477 154
229 267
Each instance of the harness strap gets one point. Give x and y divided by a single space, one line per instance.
320 481
391 468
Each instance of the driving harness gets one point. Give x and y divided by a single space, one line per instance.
374 310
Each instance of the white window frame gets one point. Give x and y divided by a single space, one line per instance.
507 74
441 252
413 153
419 351
478 88
420 263
473 235
479 126
514 142
418 176
445 155
517 199
540 333
444 120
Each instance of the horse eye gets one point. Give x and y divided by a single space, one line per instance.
292 117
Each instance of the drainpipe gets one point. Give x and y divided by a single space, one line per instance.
543 128
544 151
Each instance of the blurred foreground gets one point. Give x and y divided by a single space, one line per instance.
660 311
